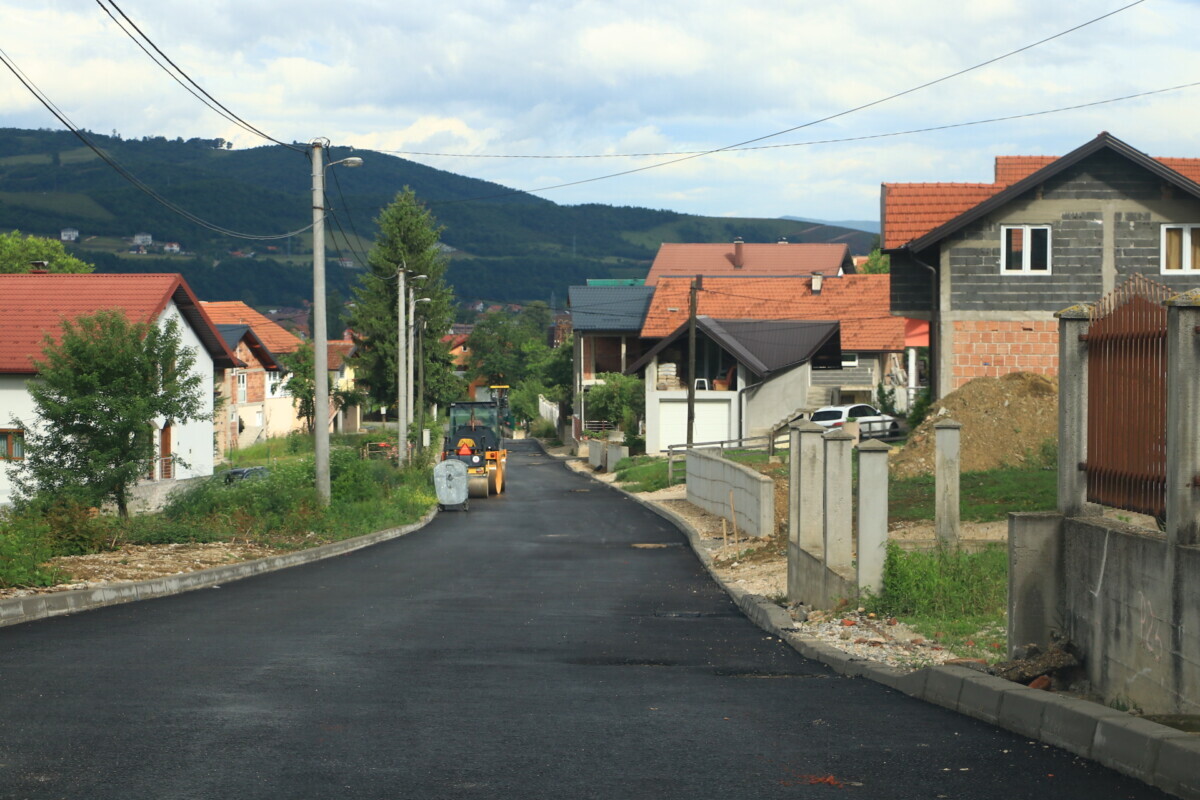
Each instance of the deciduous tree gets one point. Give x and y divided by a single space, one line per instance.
17 251
98 391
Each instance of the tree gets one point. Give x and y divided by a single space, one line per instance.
877 263
302 386
503 348
408 238
17 251
619 399
97 393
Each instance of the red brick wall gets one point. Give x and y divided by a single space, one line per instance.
991 349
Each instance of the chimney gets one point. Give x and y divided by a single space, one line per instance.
782 240
739 255
817 279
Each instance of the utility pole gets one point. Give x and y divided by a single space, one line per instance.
691 384
401 367
410 360
421 386
320 336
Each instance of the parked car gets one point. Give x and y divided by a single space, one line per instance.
870 420
242 474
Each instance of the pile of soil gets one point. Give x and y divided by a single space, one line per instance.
1005 422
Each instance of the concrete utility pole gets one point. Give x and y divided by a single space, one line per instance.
401 367
691 384
320 336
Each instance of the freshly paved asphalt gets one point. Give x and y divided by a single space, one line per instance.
525 649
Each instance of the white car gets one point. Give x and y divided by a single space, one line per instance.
870 420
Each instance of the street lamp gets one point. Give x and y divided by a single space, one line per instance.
320 334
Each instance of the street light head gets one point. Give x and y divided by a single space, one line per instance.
352 161
423 300
419 277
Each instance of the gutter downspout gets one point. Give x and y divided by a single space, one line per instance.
741 411
935 324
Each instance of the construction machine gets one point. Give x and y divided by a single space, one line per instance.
475 437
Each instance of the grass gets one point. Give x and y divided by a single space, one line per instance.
647 473
956 598
984 496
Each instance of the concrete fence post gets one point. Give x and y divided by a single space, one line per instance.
1183 419
1072 409
872 513
839 509
806 499
947 436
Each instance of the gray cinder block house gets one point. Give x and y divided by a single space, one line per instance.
989 263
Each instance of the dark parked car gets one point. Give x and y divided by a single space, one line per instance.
243 474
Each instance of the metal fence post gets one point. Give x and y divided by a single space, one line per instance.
947 436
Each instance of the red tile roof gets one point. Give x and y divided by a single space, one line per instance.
911 210
757 259
235 312
861 303
35 306
339 350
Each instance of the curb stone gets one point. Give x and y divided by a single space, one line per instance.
1163 757
53 604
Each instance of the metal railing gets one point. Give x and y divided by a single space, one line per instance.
1126 462
769 443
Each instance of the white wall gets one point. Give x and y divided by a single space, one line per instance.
666 415
776 400
192 441
14 402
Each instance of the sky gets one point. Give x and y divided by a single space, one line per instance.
616 77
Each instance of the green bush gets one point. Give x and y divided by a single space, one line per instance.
944 583
24 548
920 409
543 428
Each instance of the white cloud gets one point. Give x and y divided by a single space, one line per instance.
581 76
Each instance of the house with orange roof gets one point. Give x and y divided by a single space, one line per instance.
770 349
240 421
346 419
278 411
749 259
989 264
35 306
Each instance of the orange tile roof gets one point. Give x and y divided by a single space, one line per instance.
1010 169
339 349
235 312
758 259
914 209
861 303
36 305
911 210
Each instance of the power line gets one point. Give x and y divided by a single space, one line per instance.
42 98
840 140
180 76
827 118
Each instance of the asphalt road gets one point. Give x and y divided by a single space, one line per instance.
525 649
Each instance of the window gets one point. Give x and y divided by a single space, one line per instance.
241 387
1025 248
1180 249
849 360
12 444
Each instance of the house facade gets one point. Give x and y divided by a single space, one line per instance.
606 323
242 416
988 265
37 303
279 411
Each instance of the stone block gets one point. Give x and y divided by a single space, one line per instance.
1178 767
1131 745
1021 711
944 685
980 696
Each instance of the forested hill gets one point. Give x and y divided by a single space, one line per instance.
510 247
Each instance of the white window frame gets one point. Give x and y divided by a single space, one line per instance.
1024 268
849 360
1187 266
241 387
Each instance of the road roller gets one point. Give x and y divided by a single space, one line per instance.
474 439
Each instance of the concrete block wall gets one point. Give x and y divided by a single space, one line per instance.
991 348
712 481
613 453
596 451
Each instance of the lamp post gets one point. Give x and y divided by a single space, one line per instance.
320 335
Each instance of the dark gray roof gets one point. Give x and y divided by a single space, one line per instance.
609 308
232 334
765 347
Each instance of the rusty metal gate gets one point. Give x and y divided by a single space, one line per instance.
1127 399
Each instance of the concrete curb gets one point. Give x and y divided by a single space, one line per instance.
52 604
1163 757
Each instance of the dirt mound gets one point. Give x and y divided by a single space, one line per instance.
1005 421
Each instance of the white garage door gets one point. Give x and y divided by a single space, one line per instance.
712 422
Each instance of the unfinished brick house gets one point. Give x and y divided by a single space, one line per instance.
988 264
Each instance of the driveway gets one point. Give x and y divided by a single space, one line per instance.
529 648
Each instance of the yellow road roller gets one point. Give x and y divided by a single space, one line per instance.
474 439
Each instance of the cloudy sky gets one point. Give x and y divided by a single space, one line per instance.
593 77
